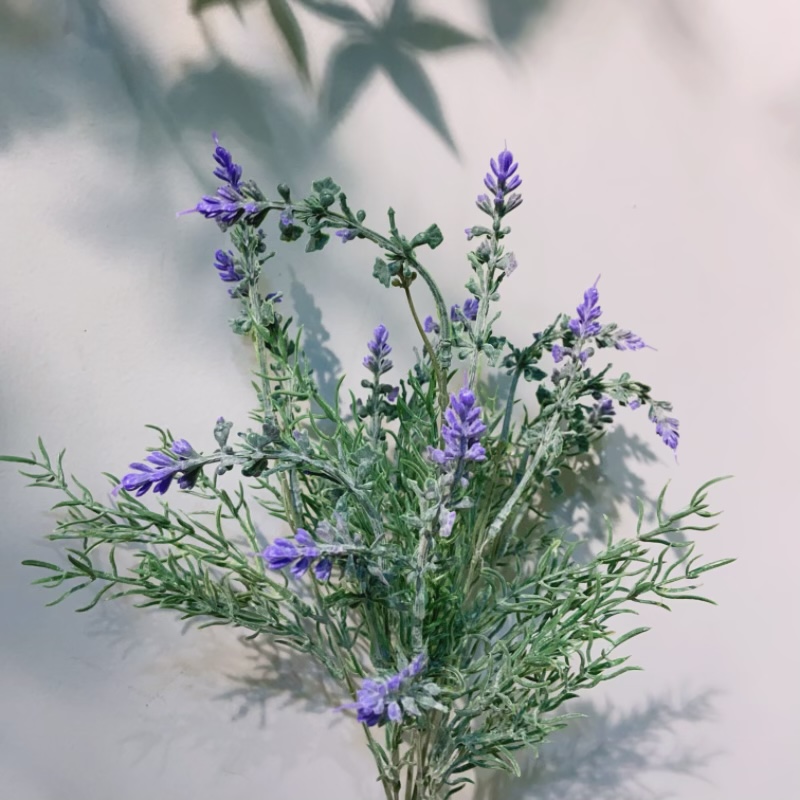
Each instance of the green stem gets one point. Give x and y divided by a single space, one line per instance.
512 390
441 380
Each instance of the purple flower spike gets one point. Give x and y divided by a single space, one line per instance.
378 361
501 182
589 311
226 171
461 432
159 469
299 554
627 340
226 266
666 426
379 700
230 204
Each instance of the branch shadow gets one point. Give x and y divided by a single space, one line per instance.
608 754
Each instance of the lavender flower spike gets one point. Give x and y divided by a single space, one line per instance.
230 204
226 171
300 554
627 340
501 182
589 311
226 266
378 361
159 469
461 431
666 426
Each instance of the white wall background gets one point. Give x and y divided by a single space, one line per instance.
659 142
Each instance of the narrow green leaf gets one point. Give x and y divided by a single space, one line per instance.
292 34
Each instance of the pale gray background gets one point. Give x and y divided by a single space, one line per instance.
659 142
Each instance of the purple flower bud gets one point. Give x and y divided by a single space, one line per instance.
226 171
446 521
627 340
430 325
666 426
634 404
346 234
471 308
557 351
585 324
226 266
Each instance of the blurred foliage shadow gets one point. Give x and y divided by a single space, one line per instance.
607 755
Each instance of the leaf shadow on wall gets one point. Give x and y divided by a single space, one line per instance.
608 755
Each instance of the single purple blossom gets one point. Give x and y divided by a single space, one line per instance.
469 233
393 394
602 410
346 234
159 469
634 404
226 266
470 310
589 311
430 325
378 361
461 431
557 351
666 426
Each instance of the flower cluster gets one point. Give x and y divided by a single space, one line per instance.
226 266
300 553
230 204
501 182
377 701
461 431
159 469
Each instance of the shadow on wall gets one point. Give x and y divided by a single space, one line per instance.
394 40
607 755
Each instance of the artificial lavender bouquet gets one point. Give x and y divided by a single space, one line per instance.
411 555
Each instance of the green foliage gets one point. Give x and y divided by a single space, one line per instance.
513 623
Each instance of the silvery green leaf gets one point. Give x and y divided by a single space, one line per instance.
381 271
426 701
409 706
